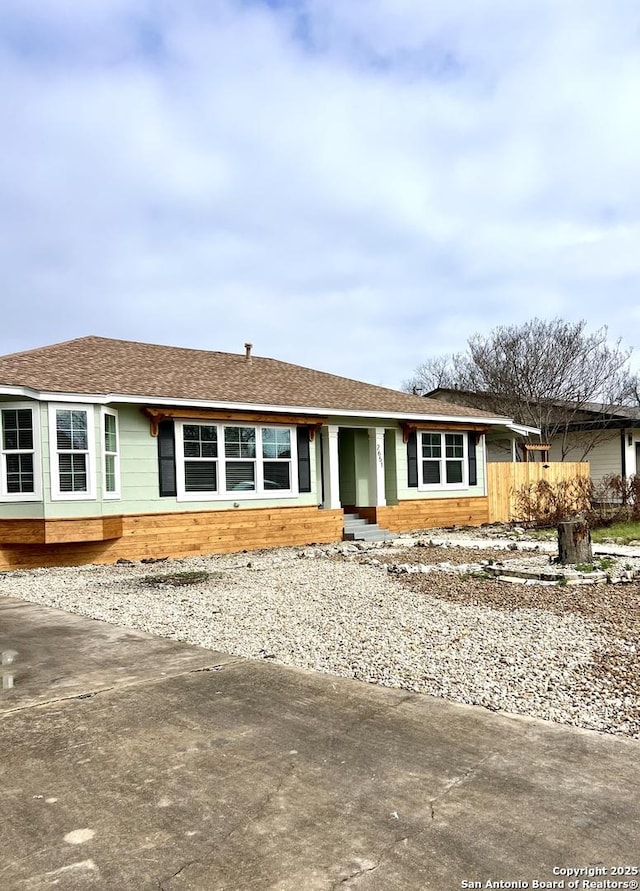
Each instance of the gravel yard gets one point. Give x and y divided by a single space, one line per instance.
567 654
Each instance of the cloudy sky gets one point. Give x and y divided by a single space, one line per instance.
353 185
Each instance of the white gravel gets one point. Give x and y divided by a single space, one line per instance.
330 613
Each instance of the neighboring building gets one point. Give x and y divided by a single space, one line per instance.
606 436
113 449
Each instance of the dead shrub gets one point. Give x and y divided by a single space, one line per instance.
615 499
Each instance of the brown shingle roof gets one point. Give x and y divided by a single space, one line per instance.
102 366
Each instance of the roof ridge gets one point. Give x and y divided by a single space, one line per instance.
223 353
50 346
142 343
130 368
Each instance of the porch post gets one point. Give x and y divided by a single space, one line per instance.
376 467
331 467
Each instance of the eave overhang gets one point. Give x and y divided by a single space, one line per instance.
220 405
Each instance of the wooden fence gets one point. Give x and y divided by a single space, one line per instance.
503 479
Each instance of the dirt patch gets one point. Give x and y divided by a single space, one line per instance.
434 554
616 605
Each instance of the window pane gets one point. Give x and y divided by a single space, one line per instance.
200 441
110 437
276 443
79 430
19 474
191 449
110 473
454 445
277 475
73 473
430 472
17 429
10 429
431 445
190 431
240 442
71 429
454 471
63 428
240 476
200 476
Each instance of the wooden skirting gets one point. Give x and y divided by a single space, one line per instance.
428 513
170 535
21 532
43 531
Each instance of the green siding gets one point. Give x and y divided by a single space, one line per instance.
347 467
362 461
140 485
139 476
390 468
406 492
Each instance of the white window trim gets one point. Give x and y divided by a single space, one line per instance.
54 459
259 493
36 495
116 455
443 485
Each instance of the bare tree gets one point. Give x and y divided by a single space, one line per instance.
437 371
545 374
633 396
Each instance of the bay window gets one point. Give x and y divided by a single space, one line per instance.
234 461
19 453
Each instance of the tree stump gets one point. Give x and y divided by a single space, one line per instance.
574 542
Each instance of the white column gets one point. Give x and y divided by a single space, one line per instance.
485 469
331 467
376 467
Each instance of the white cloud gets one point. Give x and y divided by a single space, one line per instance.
351 186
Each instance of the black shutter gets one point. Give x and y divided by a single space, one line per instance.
412 460
304 460
167 458
473 463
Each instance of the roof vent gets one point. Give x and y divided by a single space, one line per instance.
247 354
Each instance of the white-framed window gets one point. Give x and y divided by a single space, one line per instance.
200 449
72 452
442 460
20 475
110 453
234 461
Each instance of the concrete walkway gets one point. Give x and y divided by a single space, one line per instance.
130 762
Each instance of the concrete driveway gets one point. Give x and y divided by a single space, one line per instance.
130 762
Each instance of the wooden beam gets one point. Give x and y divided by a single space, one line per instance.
156 415
409 427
